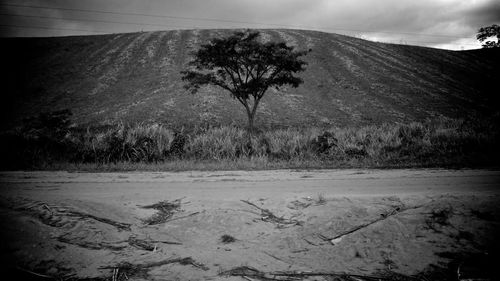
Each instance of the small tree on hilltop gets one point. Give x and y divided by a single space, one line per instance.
487 32
244 67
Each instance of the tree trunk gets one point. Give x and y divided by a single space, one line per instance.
251 116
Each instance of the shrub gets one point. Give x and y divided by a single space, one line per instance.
142 143
177 145
44 138
322 144
54 124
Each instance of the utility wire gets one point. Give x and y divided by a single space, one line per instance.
53 28
402 41
92 20
220 20
104 32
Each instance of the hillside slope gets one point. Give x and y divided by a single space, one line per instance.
134 77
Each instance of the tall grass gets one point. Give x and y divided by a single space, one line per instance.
442 142
290 144
147 143
218 143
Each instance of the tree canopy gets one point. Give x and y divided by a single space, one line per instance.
487 32
245 67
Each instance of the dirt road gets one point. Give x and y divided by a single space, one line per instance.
249 224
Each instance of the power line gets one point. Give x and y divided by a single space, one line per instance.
221 20
402 41
53 28
89 20
135 14
105 32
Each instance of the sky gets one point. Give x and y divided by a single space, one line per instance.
446 24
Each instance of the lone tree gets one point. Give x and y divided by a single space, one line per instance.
487 32
244 67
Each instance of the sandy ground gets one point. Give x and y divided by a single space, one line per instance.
74 226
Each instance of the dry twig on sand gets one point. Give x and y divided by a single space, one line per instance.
125 269
39 276
297 205
382 217
268 216
166 209
119 225
275 257
250 272
54 215
141 244
183 217
34 273
92 245
148 245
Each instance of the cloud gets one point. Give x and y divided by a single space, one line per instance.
424 22
485 14
450 23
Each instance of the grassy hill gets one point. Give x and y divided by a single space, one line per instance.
134 77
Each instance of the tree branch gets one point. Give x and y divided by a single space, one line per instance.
245 67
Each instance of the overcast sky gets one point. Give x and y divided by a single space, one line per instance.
449 24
